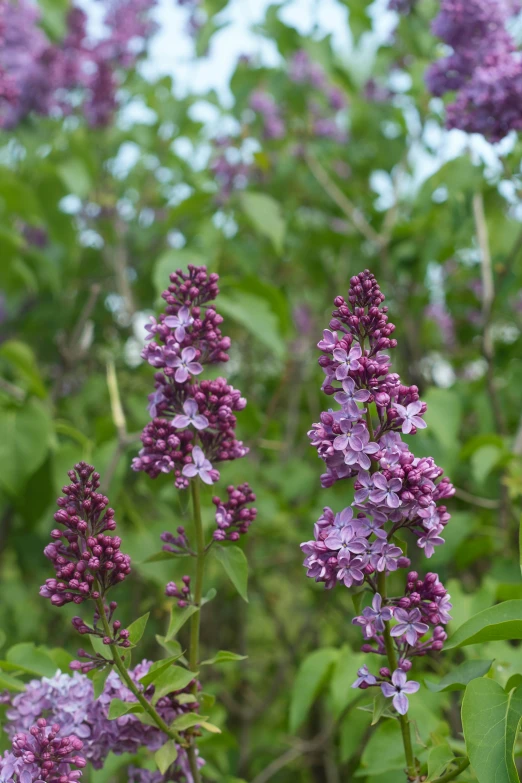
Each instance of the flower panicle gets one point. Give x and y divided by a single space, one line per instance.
362 440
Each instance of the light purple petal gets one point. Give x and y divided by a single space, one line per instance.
400 702
388 690
181 375
188 354
206 477
190 470
181 421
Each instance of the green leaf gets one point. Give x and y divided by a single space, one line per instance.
178 620
31 659
24 443
172 647
458 678
210 727
264 213
255 314
444 415
514 681
117 708
483 461
490 718
166 756
440 757
209 596
75 176
223 656
235 564
99 647
187 721
380 705
137 628
161 556
312 676
99 679
156 670
11 683
173 679
503 621
22 357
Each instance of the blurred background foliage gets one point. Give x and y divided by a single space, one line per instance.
92 221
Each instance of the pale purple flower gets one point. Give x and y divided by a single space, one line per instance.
385 491
351 569
410 416
347 360
398 688
366 480
329 340
191 415
385 556
343 518
373 617
364 676
349 397
186 365
200 466
368 525
409 625
359 447
151 328
179 323
346 538
155 399
430 540
444 607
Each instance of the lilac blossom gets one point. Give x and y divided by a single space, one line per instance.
398 689
186 365
179 323
409 416
373 617
429 540
409 625
385 491
189 416
200 466
364 678
349 397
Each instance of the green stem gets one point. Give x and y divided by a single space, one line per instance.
195 620
392 661
131 685
462 764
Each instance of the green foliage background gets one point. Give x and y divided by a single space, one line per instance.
284 247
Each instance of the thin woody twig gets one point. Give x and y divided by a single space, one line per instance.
475 500
488 297
352 212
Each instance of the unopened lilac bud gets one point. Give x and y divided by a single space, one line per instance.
385 672
405 665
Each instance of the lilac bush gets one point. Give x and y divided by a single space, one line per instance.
45 77
358 547
484 68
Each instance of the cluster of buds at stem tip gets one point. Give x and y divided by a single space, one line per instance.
183 594
361 441
193 420
87 560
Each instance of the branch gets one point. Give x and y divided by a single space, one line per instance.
488 297
475 500
462 764
353 213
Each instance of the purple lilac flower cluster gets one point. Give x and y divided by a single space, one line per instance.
234 517
69 701
194 422
401 6
264 104
86 559
484 68
394 490
41 755
40 76
303 70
